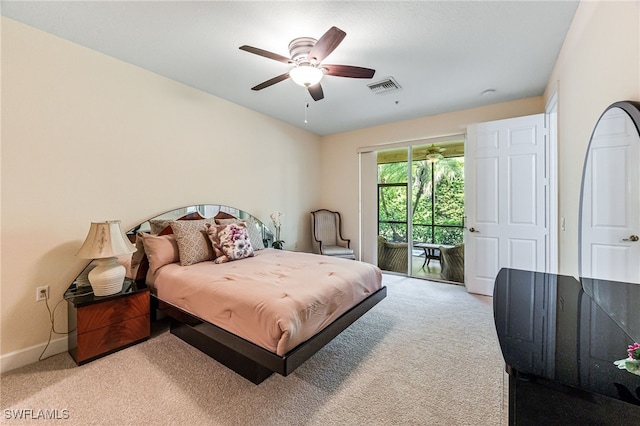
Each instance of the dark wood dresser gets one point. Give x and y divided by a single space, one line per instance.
559 338
102 325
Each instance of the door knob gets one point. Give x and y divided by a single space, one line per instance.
631 238
474 230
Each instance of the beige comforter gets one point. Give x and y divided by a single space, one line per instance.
277 299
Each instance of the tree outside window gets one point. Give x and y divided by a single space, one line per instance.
437 196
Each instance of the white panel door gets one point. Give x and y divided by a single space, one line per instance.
610 210
505 188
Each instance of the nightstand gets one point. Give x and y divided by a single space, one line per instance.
105 324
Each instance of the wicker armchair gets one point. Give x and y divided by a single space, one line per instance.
452 261
326 235
393 257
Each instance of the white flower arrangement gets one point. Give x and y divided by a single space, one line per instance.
275 218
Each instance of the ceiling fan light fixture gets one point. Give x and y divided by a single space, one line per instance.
306 75
432 158
307 55
434 153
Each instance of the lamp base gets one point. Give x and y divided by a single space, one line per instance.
107 277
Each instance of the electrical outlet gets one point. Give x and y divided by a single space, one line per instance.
42 293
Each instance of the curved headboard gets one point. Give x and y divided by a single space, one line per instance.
200 211
194 212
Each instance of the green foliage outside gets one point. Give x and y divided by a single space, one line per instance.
437 199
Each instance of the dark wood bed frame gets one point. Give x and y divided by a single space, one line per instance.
251 361
245 358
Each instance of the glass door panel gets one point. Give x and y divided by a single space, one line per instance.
393 212
437 200
420 207
393 249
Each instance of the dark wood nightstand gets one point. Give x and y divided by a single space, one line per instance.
105 324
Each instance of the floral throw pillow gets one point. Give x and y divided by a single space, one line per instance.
253 229
230 242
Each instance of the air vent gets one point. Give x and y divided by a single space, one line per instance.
387 85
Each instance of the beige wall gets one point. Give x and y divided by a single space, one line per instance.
599 64
86 137
339 165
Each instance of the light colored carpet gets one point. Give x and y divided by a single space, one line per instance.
426 355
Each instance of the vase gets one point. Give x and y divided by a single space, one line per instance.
277 243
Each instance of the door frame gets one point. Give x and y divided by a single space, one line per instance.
551 168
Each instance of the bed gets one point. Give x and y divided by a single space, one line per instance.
265 311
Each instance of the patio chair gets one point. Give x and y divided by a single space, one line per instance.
452 262
392 257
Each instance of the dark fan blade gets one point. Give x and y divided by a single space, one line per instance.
348 71
316 92
266 54
271 82
326 44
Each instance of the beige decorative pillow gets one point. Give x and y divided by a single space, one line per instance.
193 244
211 229
158 225
161 250
137 256
255 233
231 240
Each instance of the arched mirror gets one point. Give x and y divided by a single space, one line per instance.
609 246
206 211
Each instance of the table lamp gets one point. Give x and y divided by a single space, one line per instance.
104 242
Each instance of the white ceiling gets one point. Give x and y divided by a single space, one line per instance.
444 54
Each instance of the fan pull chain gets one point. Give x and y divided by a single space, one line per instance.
306 96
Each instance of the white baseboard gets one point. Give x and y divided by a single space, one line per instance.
30 355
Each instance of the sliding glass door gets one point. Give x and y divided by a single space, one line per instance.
393 225
420 207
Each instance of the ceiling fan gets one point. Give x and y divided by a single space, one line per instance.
434 153
307 55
